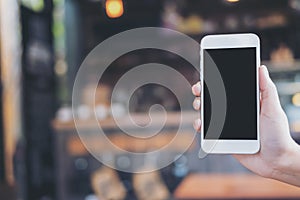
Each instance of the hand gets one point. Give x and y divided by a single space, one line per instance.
279 156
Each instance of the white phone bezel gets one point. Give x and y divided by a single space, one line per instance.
230 41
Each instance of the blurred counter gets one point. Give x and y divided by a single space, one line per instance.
74 154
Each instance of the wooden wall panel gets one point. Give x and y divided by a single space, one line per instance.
10 77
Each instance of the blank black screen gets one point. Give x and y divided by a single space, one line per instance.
237 67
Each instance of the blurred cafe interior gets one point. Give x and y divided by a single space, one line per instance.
42 46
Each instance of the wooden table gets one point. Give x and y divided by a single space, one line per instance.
234 186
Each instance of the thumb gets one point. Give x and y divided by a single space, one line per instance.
270 104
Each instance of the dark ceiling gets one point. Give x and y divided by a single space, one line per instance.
96 26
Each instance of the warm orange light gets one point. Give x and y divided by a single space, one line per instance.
233 1
296 99
114 8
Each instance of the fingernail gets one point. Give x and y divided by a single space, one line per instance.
196 88
197 124
196 104
265 71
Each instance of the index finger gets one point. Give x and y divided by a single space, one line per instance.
196 89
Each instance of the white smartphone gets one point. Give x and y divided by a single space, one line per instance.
230 98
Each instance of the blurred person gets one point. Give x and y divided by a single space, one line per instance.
279 155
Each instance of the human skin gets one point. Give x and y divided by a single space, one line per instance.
279 155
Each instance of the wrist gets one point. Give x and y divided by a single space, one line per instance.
288 162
